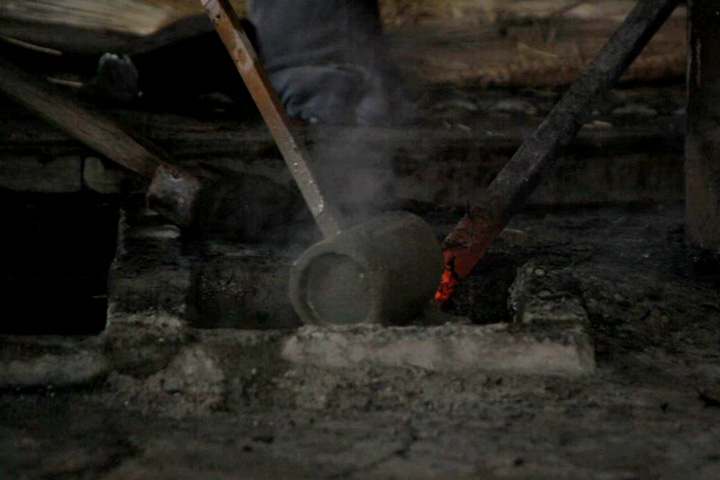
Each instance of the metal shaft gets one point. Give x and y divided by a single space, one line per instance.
467 242
228 26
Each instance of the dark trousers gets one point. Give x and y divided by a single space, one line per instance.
324 57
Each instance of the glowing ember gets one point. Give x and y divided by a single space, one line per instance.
450 280
464 246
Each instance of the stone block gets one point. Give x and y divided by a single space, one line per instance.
242 288
548 336
446 349
103 176
50 362
192 383
546 293
149 272
61 174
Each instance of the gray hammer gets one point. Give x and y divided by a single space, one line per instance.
384 270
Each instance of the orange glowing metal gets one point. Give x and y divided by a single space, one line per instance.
449 280
466 245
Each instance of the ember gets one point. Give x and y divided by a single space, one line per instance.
450 279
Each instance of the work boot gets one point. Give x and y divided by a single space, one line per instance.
324 57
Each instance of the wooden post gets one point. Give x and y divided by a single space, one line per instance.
702 148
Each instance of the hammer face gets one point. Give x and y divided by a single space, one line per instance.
174 195
382 271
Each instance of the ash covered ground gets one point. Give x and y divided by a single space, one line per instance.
651 410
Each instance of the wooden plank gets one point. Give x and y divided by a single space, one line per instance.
533 53
483 42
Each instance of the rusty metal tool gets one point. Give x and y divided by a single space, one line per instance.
471 237
231 32
173 192
383 270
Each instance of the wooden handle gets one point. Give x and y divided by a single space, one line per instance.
97 132
228 26
172 192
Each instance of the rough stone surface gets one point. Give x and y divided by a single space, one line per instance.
649 411
447 349
55 362
242 288
192 383
35 174
103 176
550 335
143 342
149 272
544 294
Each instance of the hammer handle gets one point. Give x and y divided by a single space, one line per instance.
227 24
172 191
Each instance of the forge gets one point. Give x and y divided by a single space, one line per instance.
167 287
189 291
162 278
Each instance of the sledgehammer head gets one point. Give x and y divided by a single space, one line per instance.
385 270
174 194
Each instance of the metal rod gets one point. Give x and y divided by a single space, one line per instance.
471 237
228 26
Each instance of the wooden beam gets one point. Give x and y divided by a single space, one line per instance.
702 154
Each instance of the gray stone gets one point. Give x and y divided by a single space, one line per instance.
545 294
635 110
61 174
37 362
446 349
103 176
192 383
148 285
242 288
514 107
548 337
149 272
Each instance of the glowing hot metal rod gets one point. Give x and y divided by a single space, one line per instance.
471 237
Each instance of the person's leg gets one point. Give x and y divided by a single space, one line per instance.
324 57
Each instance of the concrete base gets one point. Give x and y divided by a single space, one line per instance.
548 336
51 362
153 358
449 349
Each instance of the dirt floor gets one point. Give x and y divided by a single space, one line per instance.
651 411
